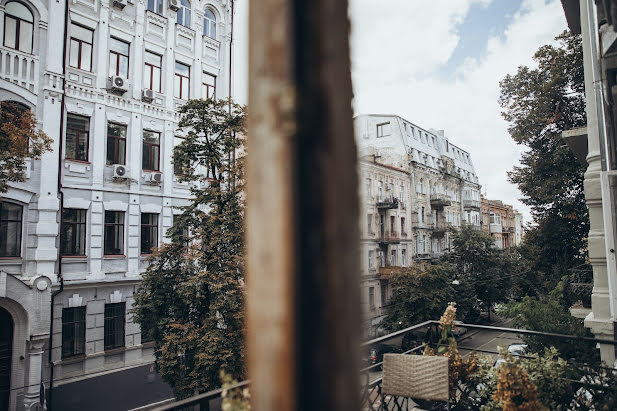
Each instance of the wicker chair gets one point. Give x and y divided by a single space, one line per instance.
415 377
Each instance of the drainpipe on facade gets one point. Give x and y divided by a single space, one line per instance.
61 196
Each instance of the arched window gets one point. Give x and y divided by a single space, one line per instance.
18 27
10 229
210 24
184 13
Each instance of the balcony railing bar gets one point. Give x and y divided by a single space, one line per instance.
200 399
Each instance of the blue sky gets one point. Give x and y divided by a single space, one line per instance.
481 22
438 63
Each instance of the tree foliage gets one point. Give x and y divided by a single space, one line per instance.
191 302
484 271
19 140
539 103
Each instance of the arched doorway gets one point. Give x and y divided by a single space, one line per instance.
6 351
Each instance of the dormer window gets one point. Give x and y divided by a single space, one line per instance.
18 27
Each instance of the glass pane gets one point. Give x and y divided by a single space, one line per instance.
121 152
209 79
74 54
9 32
153 59
145 158
25 37
147 76
113 64
118 46
151 137
210 15
185 89
155 158
123 70
182 69
81 33
18 10
177 86
156 79
86 57
82 153
213 29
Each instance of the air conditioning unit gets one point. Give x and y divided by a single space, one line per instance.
154 178
118 84
119 3
120 171
147 95
174 5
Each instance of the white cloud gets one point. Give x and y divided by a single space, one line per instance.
398 49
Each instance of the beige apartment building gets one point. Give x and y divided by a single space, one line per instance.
417 187
499 220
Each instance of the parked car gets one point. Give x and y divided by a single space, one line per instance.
374 354
517 350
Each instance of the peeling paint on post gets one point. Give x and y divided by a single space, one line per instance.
302 234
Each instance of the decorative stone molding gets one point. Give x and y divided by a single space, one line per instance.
116 297
75 301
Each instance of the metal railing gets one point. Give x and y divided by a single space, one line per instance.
372 396
200 402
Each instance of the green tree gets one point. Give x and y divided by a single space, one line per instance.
483 270
191 302
19 140
420 292
539 103
550 314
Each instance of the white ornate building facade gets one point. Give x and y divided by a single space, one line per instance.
416 187
104 79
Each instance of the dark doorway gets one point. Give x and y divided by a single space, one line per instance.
6 351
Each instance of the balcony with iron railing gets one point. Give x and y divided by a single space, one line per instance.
390 237
385 203
469 205
586 381
439 201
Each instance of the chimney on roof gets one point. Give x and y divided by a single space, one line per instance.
441 133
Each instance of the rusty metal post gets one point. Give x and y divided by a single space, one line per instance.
302 214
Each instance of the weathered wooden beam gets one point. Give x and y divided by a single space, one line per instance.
302 215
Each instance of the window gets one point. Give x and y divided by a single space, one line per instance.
152 71
393 257
114 233
369 221
182 81
18 27
209 24
151 151
371 297
209 85
10 229
185 230
183 15
403 259
73 232
371 259
368 187
384 288
73 331
379 191
422 216
77 136
118 58
155 6
114 325
116 143
181 168
392 228
403 228
80 54
149 232
383 130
